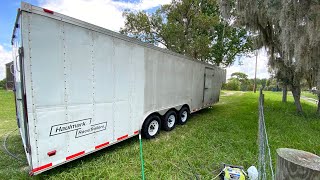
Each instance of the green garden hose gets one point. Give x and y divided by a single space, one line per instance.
141 157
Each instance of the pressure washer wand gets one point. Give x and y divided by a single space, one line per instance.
141 157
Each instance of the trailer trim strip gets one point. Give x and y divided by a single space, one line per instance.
101 145
41 167
122 137
75 155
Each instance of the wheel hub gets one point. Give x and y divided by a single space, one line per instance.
171 121
184 116
153 127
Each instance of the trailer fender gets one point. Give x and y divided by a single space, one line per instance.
164 111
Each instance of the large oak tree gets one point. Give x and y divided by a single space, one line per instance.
190 27
289 29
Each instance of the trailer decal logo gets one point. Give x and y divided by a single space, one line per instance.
93 129
82 127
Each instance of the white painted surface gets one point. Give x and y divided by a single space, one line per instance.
86 86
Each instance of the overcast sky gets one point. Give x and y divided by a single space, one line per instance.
104 13
248 65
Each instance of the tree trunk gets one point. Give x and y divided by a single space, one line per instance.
318 110
296 92
284 93
297 164
310 86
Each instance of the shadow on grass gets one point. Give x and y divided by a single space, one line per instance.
289 108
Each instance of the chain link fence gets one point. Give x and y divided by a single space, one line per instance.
264 149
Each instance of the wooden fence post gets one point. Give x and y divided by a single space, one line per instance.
296 164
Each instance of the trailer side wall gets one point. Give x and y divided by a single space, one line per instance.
87 88
83 88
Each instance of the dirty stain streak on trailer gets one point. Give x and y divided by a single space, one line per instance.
80 88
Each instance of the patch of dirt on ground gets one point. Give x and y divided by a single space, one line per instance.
230 93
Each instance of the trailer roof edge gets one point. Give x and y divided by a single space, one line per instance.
38 10
15 26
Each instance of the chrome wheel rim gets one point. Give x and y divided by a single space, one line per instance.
184 116
171 121
153 127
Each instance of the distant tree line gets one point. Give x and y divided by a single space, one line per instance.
240 82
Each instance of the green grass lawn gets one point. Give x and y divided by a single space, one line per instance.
227 133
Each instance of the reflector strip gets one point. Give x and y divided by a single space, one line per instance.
101 145
51 153
61 161
92 149
75 155
122 137
41 167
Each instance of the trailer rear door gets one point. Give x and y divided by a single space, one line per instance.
20 97
208 91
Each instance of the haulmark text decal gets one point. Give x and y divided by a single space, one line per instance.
81 127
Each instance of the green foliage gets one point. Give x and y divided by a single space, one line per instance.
233 84
243 80
189 27
289 30
272 85
240 81
231 41
242 77
3 83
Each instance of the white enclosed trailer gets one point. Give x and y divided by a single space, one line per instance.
80 88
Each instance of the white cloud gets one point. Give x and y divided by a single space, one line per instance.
5 57
104 13
142 5
248 66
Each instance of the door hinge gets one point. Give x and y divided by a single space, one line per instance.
24 102
21 52
28 149
18 122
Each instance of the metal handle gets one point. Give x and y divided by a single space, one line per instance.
17 63
11 69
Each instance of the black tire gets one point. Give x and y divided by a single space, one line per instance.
149 122
167 120
184 111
